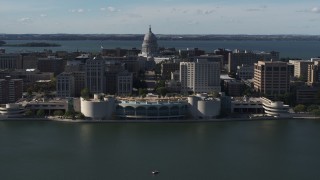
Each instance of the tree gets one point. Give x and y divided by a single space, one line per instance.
29 113
142 92
29 91
299 108
162 91
58 113
40 113
79 115
85 93
160 84
69 114
215 94
316 112
312 107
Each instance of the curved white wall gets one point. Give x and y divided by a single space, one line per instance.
97 109
209 108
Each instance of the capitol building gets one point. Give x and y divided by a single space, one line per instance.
149 45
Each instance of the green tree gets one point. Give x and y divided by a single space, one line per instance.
160 83
29 113
58 113
312 107
215 94
299 108
142 92
29 91
69 114
40 113
85 93
316 112
79 115
162 91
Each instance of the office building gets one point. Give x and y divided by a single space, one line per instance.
200 76
313 74
10 61
271 77
95 77
10 90
124 83
301 68
51 64
65 85
245 71
237 58
168 68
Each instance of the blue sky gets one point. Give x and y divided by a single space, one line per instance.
165 16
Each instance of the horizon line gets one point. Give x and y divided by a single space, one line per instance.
159 34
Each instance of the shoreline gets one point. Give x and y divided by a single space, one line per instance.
158 121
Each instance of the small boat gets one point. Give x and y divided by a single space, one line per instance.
155 172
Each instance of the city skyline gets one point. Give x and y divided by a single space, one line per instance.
165 16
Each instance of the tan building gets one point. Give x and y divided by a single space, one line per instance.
301 68
200 76
313 74
271 77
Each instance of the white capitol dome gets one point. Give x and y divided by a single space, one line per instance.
150 44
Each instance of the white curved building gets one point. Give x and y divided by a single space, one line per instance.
149 45
151 110
203 107
275 108
98 108
12 111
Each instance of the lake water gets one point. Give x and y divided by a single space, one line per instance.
293 49
248 150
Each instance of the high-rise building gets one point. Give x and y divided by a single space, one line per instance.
29 76
271 78
245 71
79 82
301 68
200 76
10 61
237 58
124 83
313 74
51 64
10 90
95 77
168 68
65 85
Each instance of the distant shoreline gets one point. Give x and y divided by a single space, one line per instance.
33 44
171 37
158 121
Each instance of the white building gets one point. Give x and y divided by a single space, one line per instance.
12 110
149 45
99 107
203 107
200 76
275 108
